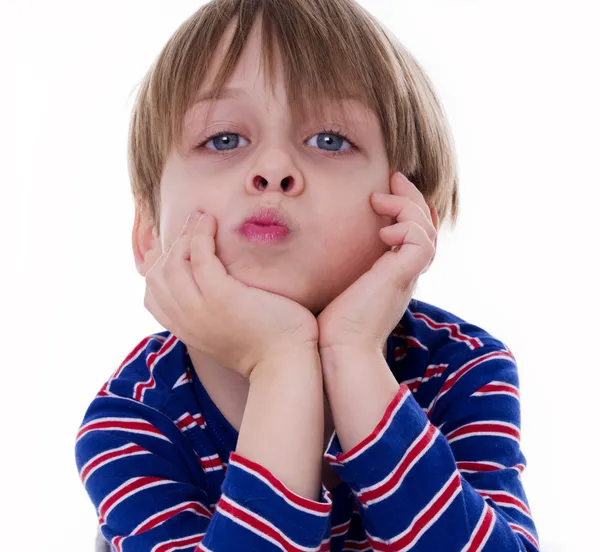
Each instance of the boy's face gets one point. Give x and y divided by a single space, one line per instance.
265 160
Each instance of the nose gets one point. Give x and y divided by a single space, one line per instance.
275 172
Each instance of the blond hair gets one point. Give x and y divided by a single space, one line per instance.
333 49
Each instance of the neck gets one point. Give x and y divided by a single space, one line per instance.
229 390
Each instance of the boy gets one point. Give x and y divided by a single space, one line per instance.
299 399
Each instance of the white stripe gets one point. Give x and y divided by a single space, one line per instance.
497 496
483 434
189 508
109 460
256 531
421 513
129 494
277 491
87 428
414 444
478 526
381 432
179 546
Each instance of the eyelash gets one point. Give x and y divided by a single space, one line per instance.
334 132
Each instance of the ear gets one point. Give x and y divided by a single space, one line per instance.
145 241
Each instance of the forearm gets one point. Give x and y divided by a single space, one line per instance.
419 488
282 427
357 378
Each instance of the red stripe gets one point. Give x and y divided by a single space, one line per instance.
525 533
318 507
499 388
165 516
132 487
434 370
412 341
133 354
119 425
477 466
488 519
506 498
179 543
141 345
403 390
141 387
151 362
453 330
453 378
440 503
110 455
258 525
483 427
403 466
211 462
341 529
136 351
325 546
185 421
117 543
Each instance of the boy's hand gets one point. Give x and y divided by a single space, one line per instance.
364 315
190 294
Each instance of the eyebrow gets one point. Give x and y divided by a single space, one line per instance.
224 94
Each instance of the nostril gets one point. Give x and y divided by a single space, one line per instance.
260 183
286 183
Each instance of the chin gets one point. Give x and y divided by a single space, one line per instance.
309 296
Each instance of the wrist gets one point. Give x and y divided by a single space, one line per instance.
336 354
297 358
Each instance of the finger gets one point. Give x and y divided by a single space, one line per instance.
178 271
412 250
152 305
403 209
154 309
159 295
402 186
188 231
207 269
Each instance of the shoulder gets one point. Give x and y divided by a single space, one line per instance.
442 357
154 380
145 405
151 372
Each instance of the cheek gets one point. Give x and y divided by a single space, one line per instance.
351 245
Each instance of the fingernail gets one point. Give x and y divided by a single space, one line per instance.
378 195
192 215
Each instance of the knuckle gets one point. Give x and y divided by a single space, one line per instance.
170 268
153 277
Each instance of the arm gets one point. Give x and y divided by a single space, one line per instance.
144 479
419 488
292 425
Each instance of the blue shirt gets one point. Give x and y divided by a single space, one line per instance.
440 472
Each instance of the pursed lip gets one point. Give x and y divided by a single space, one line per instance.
266 225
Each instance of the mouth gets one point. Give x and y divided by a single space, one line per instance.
265 226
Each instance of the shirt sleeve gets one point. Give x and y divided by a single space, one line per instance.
452 485
147 486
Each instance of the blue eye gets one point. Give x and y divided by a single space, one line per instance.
329 141
225 142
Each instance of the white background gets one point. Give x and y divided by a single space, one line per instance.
519 81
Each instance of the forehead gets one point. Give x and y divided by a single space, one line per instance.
236 98
255 74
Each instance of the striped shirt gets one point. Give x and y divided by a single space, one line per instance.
440 472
